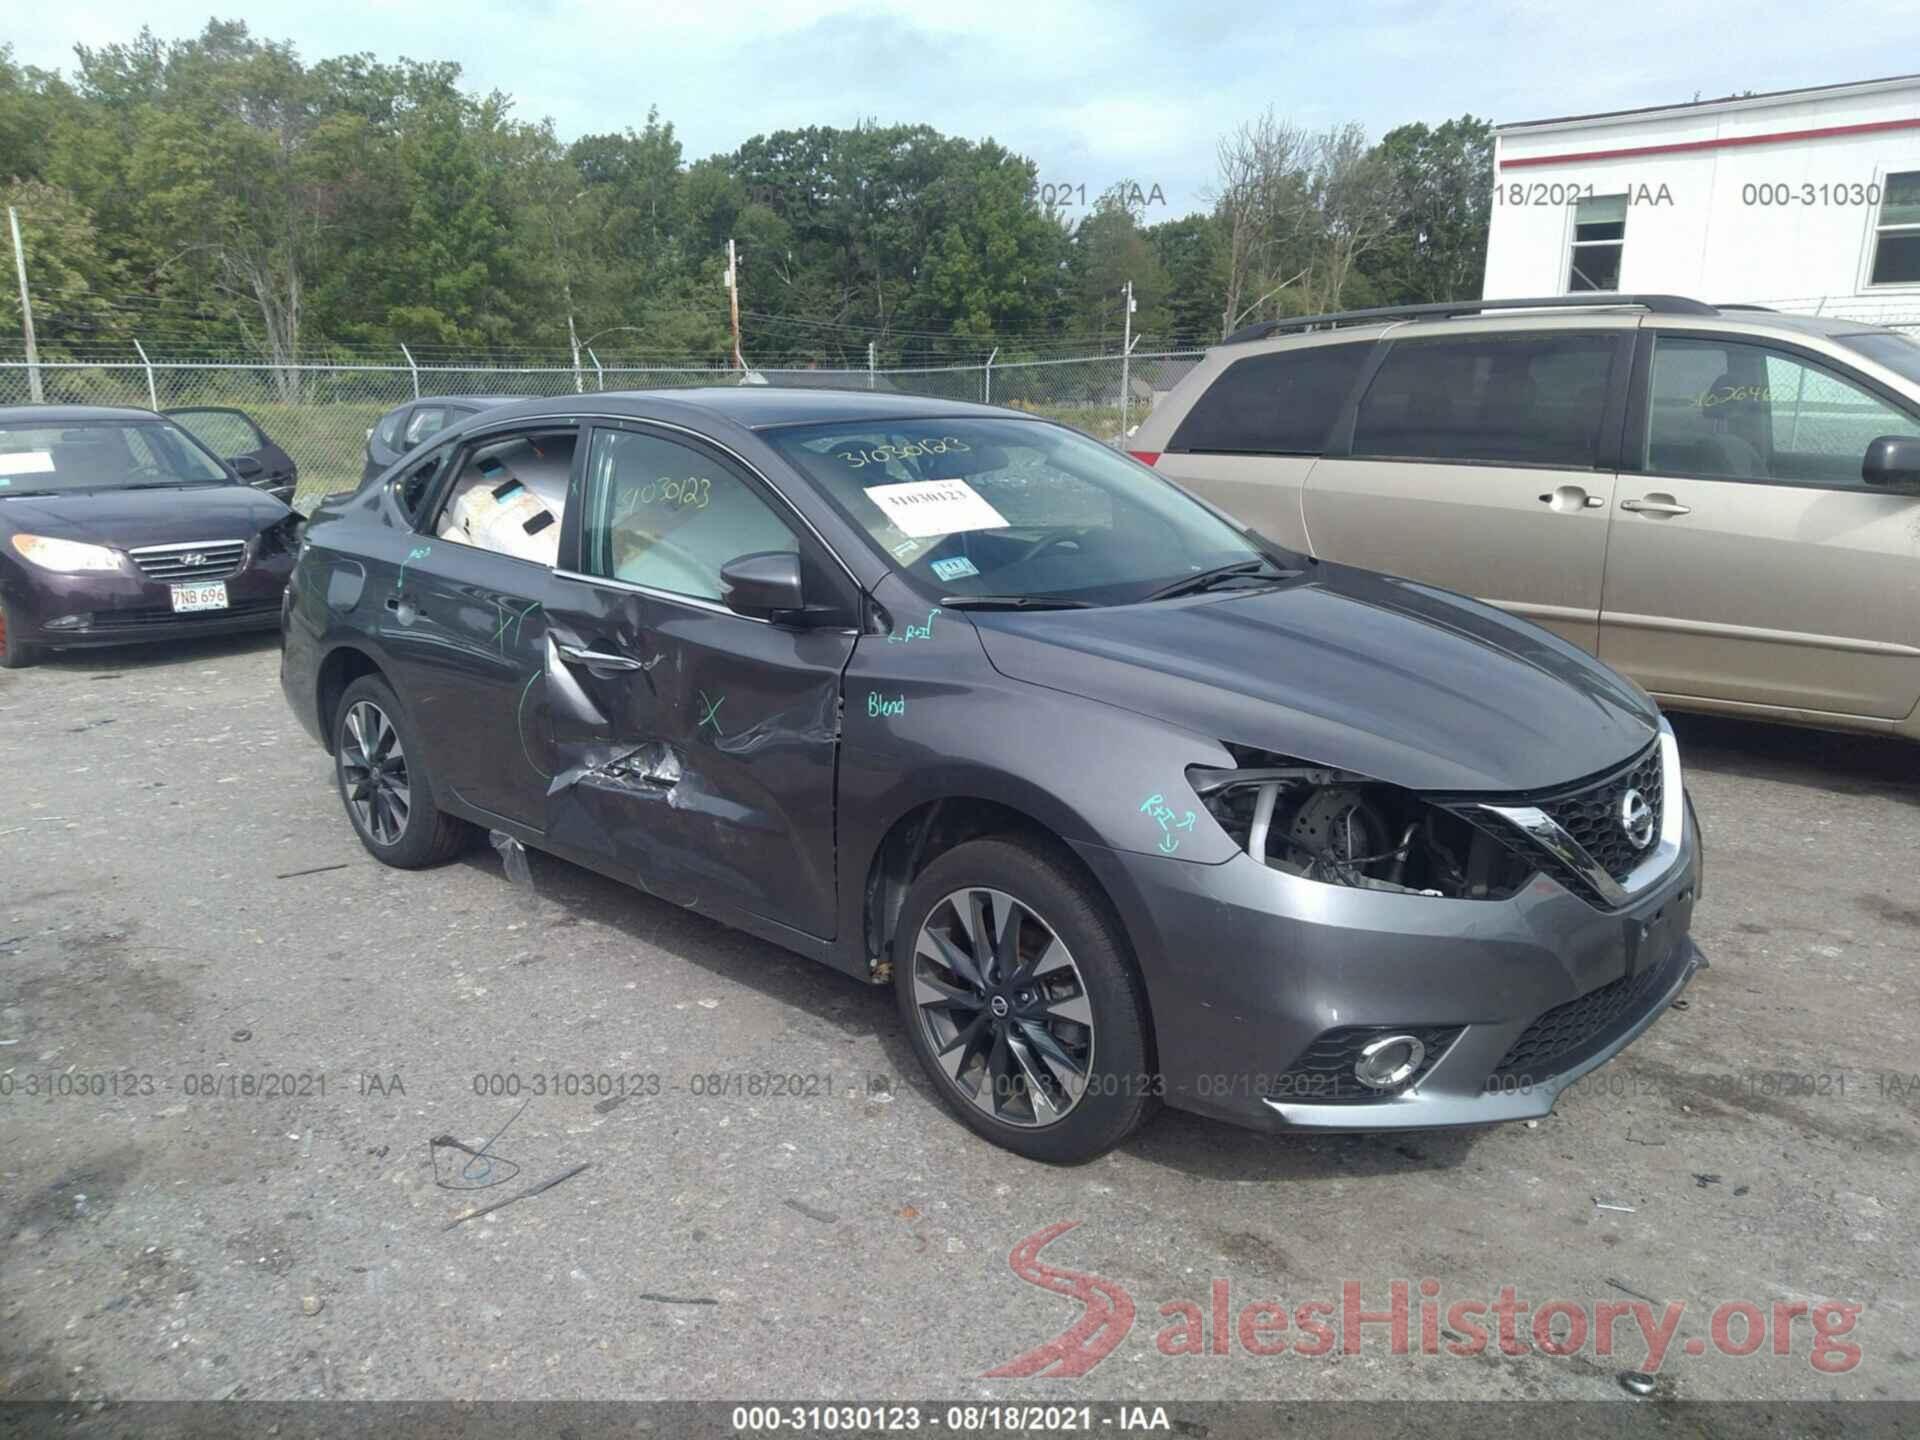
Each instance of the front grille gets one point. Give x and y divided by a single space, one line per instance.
1592 815
1324 1074
195 560
1569 1033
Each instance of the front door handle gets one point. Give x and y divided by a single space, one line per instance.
595 659
1656 505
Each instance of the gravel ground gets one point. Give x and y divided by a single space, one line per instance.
205 1234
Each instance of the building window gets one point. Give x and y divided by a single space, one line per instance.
1896 239
1599 235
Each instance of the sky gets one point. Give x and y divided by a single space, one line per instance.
1094 93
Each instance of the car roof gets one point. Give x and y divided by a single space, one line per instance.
762 407
1572 311
62 414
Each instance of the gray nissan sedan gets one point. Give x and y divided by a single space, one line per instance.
1127 804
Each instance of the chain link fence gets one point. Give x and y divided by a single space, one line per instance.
320 413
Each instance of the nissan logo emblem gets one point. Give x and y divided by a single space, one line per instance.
1636 819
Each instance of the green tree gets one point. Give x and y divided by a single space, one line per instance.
1443 185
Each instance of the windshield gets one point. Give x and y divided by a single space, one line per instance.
1899 353
1012 508
42 459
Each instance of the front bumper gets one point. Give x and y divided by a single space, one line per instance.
1246 968
121 608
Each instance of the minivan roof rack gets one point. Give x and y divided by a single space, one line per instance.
1656 304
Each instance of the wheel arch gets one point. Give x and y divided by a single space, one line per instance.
343 665
934 826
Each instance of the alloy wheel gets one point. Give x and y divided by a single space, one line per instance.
373 773
1004 1007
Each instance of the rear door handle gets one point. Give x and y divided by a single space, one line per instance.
1656 505
579 655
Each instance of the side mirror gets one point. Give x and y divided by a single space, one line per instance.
762 585
1893 463
246 467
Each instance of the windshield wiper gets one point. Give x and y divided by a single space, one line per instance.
1207 579
1013 602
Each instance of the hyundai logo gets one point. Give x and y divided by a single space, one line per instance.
193 557
1636 819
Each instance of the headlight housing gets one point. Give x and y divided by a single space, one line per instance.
68 557
1339 828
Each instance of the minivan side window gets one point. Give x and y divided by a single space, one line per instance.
1283 403
1722 410
1490 399
667 516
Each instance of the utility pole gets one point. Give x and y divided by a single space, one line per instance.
1126 354
733 298
870 356
26 309
573 341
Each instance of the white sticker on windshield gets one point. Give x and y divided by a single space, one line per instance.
935 507
27 462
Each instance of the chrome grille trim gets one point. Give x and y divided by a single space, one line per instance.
1547 834
218 560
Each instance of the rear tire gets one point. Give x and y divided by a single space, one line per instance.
1035 1036
15 653
384 784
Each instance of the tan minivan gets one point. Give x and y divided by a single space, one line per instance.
1723 502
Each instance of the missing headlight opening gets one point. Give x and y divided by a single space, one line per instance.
1339 828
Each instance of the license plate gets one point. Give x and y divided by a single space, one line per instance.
210 596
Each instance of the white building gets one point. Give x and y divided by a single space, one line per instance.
1803 200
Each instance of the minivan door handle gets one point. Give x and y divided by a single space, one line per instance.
1571 497
1656 504
598 660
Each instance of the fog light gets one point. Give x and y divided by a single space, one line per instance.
67 622
1389 1061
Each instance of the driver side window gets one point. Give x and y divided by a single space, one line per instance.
668 516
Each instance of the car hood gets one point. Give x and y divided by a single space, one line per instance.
126 518
1386 677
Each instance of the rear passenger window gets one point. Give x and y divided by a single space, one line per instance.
509 496
427 422
1494 399
1278 404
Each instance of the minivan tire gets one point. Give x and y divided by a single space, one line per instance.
1119 1090
408 833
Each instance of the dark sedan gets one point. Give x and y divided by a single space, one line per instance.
409 426
117 525
1125 803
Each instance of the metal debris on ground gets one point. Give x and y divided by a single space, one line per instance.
513 857
523 1195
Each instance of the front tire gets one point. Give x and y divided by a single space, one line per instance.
1021 1000
384 784
15 653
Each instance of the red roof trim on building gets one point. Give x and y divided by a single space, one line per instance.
1722 142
